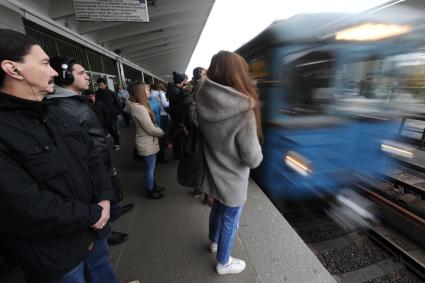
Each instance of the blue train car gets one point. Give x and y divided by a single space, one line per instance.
329 101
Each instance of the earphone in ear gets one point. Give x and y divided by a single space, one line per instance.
17 71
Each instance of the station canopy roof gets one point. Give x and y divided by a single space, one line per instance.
161 46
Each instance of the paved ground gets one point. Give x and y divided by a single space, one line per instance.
168 237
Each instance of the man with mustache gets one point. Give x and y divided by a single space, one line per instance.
54 190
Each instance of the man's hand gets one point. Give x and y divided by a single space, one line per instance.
104 217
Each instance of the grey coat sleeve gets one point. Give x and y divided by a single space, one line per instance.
248 144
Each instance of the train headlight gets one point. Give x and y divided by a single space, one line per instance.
298 163
398 149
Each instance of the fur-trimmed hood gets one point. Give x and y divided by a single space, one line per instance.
218 102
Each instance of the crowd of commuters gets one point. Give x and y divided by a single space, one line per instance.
54 148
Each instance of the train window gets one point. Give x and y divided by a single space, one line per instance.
311 83
359 78
405 76
389 77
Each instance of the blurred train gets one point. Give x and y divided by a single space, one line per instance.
333 88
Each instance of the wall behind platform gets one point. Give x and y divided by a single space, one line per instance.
11 19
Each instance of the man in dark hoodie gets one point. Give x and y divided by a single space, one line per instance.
71 81
113 104
177 98
54 192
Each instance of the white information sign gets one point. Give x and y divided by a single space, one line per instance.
110 84
111 10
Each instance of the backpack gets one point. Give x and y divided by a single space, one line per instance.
191 168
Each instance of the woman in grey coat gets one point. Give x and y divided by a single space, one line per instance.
229 119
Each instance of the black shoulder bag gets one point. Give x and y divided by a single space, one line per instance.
192 166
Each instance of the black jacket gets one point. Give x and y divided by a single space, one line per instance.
48 198
110 99
75 106
101 113
176 96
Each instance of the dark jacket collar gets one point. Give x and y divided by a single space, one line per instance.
12 103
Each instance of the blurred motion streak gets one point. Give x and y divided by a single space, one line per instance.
342 107
298 163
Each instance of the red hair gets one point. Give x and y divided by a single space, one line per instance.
230 69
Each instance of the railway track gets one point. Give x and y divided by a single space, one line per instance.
365 252
401 232
408 178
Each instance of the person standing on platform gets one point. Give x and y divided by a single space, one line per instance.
123 95
147 134
110 99
98 109
199 75
160 97
176 96
71 81
54 192
155 106
229 118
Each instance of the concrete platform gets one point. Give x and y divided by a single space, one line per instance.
168 237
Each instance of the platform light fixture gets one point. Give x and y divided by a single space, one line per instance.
372 31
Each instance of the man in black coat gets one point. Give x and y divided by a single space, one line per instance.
72 79
55 192
112 103
99 109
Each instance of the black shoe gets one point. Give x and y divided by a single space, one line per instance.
154 195
126 208
116 238
158 189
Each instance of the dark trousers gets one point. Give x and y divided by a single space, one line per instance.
126 118
164 139
115 212
113 128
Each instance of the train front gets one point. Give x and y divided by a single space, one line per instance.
333 104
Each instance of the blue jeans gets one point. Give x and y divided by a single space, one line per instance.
95 268
97 265
76 275
150 161
224 224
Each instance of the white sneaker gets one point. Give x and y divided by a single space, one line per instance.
213 247
234 266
